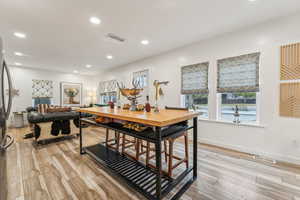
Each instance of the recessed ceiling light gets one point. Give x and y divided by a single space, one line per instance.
145 42
20 35
251 0
88 66
18 64
19 54
76 72
95 20
109 57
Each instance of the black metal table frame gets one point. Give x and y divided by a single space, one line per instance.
158 149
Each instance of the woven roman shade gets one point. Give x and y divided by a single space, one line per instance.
194 79
142 77
111 86
239 74
107 86
101 87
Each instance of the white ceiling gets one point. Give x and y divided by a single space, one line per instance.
60 37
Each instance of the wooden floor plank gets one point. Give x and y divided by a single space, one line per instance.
57 171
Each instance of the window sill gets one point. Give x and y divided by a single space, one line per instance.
231 123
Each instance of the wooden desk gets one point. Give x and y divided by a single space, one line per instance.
136 174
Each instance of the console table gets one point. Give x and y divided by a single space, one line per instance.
149 182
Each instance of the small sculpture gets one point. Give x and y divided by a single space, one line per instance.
131 94
140 107
158 92
236 115
14 92
126 106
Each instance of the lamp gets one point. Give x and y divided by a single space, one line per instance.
92 96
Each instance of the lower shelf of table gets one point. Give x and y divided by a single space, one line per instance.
135 174
140 177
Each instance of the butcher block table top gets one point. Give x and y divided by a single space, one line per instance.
162 118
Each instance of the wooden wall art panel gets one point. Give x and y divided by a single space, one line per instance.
290 99
290 62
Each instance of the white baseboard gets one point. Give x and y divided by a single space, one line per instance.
271 156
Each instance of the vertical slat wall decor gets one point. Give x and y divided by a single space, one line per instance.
290 77
290 62
290 99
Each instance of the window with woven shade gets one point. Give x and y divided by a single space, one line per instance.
143 77
111 86
107 91
238 87
194 87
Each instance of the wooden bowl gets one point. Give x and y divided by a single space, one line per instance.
130 92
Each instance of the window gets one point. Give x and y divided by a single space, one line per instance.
194 87
107 97
142 77
245 102
197 102
238 88
107 91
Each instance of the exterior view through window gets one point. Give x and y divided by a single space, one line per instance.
107 97
198 102
246 102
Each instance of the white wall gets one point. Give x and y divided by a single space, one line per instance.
22 80
280 137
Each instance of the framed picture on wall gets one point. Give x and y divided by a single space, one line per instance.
70 94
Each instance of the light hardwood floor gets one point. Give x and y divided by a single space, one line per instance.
57 171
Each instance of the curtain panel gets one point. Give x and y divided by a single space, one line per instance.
194 79
239 74
107 86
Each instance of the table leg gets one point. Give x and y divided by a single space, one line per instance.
158 162
80 134
195 146
106 137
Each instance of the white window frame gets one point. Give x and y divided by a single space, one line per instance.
219 110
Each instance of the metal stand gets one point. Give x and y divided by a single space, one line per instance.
149 182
